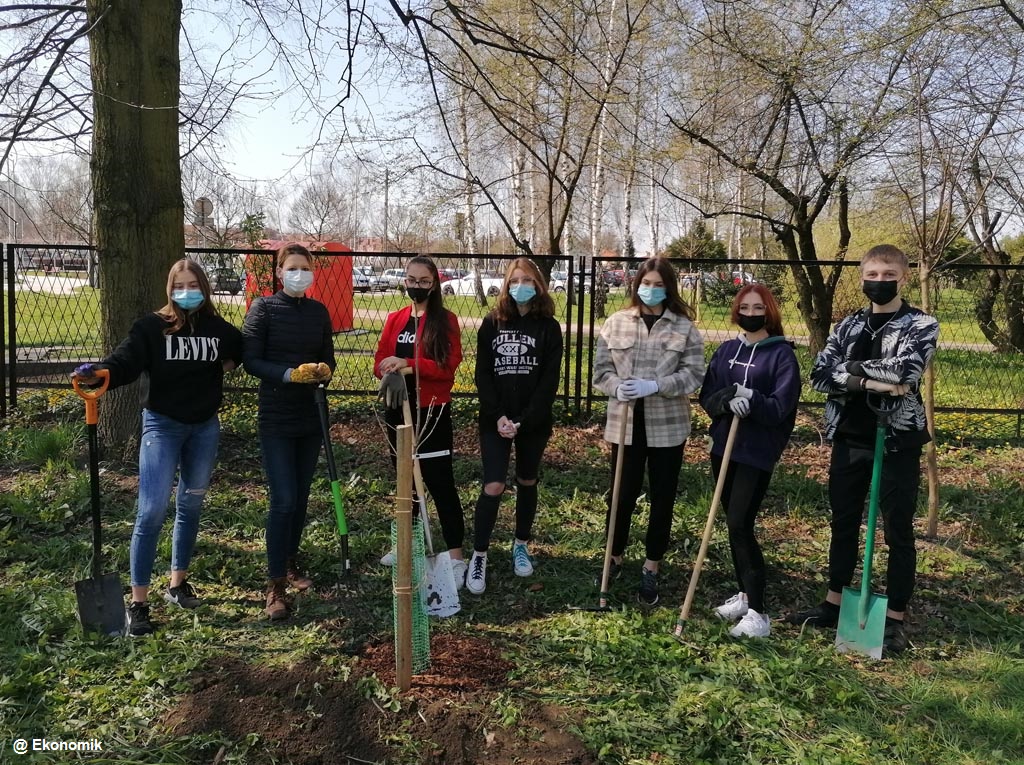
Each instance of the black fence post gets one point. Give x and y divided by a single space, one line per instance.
12 328
4 293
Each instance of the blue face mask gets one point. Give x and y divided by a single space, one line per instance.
651 296
297 282
187 300
522 293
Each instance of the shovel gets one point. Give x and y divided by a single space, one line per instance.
101 598
439 589
709 527
332 473
861 627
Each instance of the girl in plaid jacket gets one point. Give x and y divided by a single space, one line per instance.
650 358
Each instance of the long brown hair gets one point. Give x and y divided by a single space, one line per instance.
673 300
541 305
434 339
172 312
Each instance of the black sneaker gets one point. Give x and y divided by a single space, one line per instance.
183 595
614 572
824 614
138 620
648 592
895 637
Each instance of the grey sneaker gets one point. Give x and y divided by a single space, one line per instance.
476 576
183 595
648 592
734 608
614 572
459 568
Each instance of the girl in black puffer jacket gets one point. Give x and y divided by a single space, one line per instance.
288 344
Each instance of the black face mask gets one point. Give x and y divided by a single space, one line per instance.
879 292
751 323
418 294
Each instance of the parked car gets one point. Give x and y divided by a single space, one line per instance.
559 280
364 279
467 284
393 279
447 274
712 278
226 280
614 277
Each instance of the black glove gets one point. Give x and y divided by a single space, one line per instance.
392 391
717 404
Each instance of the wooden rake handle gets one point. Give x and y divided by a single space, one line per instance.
709 527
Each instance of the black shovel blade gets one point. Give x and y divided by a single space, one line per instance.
101 604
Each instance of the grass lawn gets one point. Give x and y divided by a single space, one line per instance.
517 676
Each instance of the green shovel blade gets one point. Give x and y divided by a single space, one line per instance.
855 635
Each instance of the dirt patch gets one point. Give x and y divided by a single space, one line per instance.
305 715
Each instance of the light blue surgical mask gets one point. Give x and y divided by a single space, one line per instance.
651 296
187 300
297 282
522 293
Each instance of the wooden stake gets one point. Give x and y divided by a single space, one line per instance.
403 588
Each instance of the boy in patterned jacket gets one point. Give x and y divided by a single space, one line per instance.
883 350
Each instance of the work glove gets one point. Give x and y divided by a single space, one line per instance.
739 406
744 392
392 391
620 393
86 374
324 371
634 389
717 404
306 373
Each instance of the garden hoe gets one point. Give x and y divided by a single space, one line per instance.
709 527
439 589
100 599
613 510
861 627
332 473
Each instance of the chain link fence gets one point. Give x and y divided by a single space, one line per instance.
51 319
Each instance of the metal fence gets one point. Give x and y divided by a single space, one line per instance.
51 319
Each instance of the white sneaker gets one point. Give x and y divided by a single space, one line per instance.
459 570
476 575
753 625
388 559
522 564
732 609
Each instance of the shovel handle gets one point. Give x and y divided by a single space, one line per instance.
91 396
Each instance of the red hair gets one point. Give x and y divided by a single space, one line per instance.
772 314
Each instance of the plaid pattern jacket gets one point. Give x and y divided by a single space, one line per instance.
671 354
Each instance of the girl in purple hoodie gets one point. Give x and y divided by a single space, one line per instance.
755 377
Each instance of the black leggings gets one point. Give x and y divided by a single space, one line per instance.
742 494
436 427
496 452
663 466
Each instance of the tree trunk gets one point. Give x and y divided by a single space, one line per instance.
136 175
930 456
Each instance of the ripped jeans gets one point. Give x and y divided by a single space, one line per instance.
169 446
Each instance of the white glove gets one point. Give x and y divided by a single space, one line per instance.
639 388
620 392
746 393
739 406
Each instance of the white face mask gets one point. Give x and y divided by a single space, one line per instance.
297 282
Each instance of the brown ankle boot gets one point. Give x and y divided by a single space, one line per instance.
296 578
278 606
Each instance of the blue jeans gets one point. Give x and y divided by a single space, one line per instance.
289 463
167 447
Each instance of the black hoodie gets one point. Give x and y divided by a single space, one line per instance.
182 373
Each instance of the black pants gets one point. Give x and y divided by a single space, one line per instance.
435 434
496 453
663 465
742 494
849 480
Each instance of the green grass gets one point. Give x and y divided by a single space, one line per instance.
633 694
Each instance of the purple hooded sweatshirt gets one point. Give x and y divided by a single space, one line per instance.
769 368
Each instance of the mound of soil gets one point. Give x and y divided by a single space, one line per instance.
307 716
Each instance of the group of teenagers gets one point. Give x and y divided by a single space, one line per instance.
649 360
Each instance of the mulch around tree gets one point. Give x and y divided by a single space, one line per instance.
308 715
